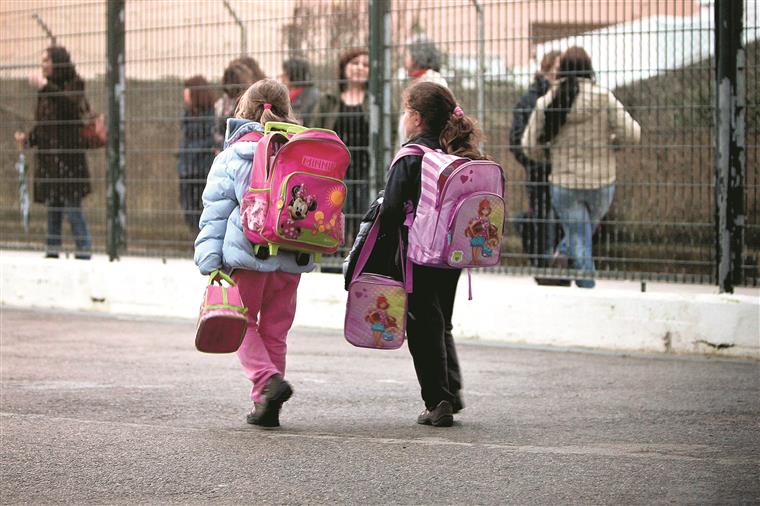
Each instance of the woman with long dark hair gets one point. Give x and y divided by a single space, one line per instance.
61 176
579 123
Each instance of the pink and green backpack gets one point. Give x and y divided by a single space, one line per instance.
296 194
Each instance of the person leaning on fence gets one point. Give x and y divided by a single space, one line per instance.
196 152
267 287
422 64
347 113
238 76
61 175
536 226
579 123
433 119
296 75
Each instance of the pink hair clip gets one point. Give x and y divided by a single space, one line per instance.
458 112
267 106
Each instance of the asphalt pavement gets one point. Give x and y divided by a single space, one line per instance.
97 409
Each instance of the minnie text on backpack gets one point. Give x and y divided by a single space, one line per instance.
296 192
459 220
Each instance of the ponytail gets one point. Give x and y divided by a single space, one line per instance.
460 136
264 101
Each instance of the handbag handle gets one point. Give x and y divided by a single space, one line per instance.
218 276
369 244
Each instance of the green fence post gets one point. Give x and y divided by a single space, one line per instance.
730 98
115 82
379 91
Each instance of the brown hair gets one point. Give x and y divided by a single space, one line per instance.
573 64
201 95
267 91
256 73
547 62
458 134
346 57
236 79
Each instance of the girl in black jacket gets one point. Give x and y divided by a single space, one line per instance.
433 119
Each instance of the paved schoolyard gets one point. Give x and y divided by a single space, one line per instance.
101 409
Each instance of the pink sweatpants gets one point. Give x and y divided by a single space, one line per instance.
271 301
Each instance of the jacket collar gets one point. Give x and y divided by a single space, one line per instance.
237 127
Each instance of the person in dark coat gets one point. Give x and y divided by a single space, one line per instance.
347 113
433 119
61 176
304 96
537 225
197 147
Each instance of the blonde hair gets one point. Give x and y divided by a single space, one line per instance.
267 91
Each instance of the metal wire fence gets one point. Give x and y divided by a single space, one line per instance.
658 58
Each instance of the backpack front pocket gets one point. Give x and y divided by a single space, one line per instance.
253 213
310 209
475 231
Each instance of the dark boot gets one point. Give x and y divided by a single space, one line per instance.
267 413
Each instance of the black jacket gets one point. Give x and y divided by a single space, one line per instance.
520 116
403 185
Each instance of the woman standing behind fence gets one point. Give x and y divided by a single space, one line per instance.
348 115
579 122
196 153
61 176
238 76
304 96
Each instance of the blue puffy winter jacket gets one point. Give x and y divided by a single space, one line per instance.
221 243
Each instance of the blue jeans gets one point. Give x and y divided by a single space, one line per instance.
580 211
75 216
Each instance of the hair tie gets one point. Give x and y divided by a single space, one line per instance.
267 106
458 112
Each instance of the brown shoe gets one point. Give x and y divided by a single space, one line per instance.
441 416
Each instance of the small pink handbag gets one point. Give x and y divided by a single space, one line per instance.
222 320
376 305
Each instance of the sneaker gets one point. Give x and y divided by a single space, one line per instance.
441 416
457 404
267 413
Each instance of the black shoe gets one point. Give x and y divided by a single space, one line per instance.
267 413
552 282
457 404
51 255
441 416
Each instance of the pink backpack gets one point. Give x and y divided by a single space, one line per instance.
376 305
459 219
222 321
296 194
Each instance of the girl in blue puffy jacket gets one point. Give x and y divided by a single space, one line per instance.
267 286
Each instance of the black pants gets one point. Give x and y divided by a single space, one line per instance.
540 233
429 333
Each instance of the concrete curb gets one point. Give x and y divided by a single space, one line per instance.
614 316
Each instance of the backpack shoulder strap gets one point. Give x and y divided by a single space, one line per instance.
410 150
252 136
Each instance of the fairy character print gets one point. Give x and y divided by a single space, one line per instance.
482 234
298 208
382 324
